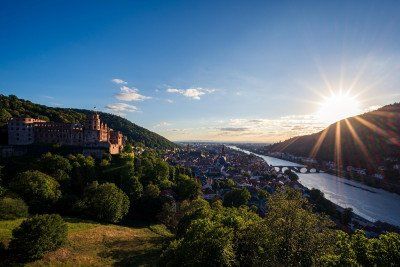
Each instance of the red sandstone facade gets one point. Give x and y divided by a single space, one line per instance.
93 134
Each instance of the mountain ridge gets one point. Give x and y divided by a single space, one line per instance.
364 140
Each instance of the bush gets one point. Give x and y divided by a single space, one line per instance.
39 190
187 188
237 198
36 236
12 208
106 202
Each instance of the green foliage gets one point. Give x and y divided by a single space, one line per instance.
39 190
357 249
206 243
128 148
152 191
106 202
289 235
292 175
150 205
83 172
237 198
346 216
12 208
36 236
12 105
187 188
386 249
51 164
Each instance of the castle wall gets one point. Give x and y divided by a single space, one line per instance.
94 133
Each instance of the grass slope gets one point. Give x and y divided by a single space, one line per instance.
94 244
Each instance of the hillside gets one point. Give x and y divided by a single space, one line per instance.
364 141
12 106
94 244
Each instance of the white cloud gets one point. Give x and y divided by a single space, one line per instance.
233 129
130 94
193 93
162 124
169 101
121 108
119 81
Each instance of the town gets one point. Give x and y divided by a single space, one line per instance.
221 169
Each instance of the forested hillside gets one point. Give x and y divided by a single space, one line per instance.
12 106
364 141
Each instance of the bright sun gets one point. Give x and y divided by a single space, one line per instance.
337 107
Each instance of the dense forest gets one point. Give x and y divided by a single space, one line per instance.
361 141
12 106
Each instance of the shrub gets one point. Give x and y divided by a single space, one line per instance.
106 202
237 198
36 236
39 190
187 188
12 208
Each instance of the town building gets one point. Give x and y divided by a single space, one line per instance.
92 135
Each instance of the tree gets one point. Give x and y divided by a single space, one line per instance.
150 204
12 208
206 243
39 190
56 166
36 236
346 216
132 188
128 148
83 172
343 254
292 175
237 198
386 249
362 247
186 187
51 164
296 235
106 202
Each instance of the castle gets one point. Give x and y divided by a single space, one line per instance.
93 135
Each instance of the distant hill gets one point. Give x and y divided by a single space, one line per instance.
12 106
361 141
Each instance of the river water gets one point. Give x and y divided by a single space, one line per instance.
368 202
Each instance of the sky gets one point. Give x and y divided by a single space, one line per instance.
253 71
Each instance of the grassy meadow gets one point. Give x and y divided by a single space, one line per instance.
95 244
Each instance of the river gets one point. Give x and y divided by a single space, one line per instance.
368 202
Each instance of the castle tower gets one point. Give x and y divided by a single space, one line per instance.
93 122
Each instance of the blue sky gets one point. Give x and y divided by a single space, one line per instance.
203 70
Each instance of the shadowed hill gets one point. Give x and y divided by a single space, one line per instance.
363 141
12 106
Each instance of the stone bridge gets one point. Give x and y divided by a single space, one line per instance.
298 169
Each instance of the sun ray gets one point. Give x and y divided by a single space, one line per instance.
338 149
357 138
391 138
318 144
294 139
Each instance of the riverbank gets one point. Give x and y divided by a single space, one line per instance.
352 176
367 202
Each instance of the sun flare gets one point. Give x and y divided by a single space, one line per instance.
338 106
